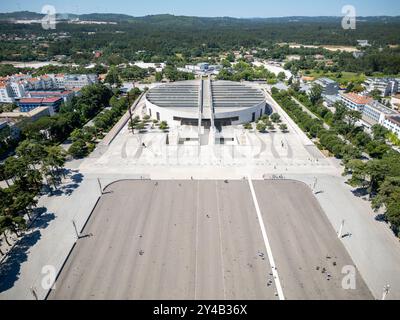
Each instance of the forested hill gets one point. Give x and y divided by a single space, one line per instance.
168 18
164 35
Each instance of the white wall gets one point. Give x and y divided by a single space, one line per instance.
168 114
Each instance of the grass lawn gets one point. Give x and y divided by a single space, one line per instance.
340 77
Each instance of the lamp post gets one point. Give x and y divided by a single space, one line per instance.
130 110
100 187
341 230
33 291
386 290
76 229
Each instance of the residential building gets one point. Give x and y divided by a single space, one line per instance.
12 130
393 124
329 86
159 67
79 80
29 104
395 101
354 101
376 113
358 54
386 86
6 93
363 43
66 95
58 80
33 115
373 112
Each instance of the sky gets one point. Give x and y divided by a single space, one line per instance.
211 8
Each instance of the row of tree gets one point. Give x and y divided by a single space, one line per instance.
344 122
38 161
35 165
379 176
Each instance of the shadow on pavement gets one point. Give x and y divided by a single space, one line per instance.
360 192
10 268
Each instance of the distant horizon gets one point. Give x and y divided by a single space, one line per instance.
251 9
199 16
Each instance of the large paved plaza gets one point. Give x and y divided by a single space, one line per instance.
189 255
202 240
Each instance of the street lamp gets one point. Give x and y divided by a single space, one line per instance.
386 290
33 291
76 229
341 230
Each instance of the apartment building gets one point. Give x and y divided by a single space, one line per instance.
6 93
79 80
354 101
29 104
373 112
393 124
386 86
329 86
376 113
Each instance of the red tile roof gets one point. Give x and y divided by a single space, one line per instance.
357 99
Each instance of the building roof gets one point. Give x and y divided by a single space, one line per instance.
305 78
325 81
395 119
381 108
30 114
224 94
356 98
50 93
40 100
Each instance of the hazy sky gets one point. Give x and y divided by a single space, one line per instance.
234 8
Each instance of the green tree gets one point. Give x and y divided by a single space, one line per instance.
78 149
275 118
315 94
164 126
283 127
261 126
113 77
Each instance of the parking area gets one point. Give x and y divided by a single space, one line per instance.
202 240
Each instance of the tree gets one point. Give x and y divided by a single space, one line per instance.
281 76
379 132
164 126
353 117
159 76
113 77
23 202
295 85
55 159
283 127
261 126
11 223
340 111
275 118
376 94
315 94
358 170
78 149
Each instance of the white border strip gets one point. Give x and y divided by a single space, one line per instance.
266 242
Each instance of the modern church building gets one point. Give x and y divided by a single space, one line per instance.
206 103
